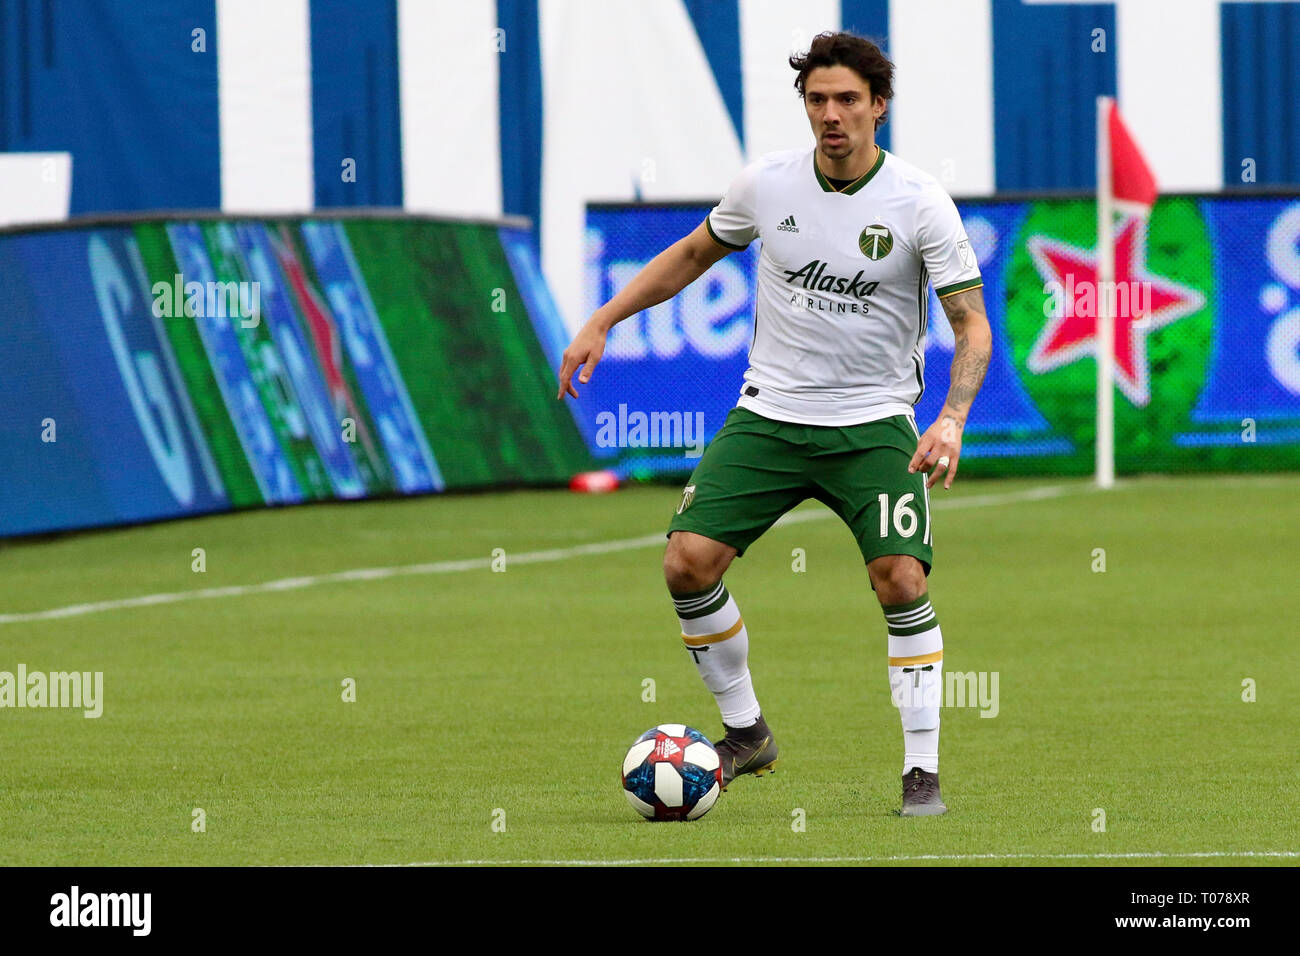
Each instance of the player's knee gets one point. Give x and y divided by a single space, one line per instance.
897 578
688 568
684 572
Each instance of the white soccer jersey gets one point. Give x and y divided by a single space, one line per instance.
842 295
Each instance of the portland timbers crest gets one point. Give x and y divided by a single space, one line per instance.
876 241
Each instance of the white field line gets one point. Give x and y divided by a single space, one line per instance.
927 857
478 564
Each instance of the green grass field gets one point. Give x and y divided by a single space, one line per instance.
479 691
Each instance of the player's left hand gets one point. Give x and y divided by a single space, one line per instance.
938 451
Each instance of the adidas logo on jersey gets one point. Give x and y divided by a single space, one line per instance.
787 225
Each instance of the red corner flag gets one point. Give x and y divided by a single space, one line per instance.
1132 183
1124 182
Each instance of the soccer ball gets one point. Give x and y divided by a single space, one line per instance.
672 772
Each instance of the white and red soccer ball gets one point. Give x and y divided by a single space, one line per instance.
672 772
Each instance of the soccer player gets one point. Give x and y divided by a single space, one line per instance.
851 238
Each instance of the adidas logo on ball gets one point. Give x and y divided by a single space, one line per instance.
667 748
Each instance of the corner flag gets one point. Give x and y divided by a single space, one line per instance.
1132 182
1124 183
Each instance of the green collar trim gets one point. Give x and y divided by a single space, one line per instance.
857 184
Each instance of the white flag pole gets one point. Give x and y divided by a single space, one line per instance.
1105 338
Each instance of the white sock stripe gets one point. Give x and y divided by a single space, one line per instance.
694 604
910 611
690 608
911 617
911 621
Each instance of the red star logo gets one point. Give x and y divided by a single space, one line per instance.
1143 303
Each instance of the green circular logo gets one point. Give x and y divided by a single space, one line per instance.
875 241
1164 325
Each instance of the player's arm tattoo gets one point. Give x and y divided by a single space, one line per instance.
972 347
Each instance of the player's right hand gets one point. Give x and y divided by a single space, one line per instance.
585 350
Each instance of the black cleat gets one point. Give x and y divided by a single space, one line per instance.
921 794
746 750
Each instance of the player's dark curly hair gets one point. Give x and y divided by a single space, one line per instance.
858 54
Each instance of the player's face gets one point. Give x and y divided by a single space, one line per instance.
840 109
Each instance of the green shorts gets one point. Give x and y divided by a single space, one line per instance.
756 469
